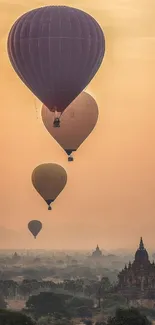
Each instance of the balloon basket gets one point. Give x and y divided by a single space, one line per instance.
56 123
70 158
56 126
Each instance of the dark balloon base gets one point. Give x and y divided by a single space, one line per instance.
49 201
69 151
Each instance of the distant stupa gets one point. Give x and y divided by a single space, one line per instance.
97 253
15 257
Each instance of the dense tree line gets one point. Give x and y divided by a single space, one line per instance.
89 288
129 316
41 272
58 304
14 318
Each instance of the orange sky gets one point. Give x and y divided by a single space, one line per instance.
110 194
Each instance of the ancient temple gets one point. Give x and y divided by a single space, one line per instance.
16 258
138 278
97 253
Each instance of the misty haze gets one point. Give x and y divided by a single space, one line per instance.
77 139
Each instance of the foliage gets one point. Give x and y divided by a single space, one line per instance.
32 284
73 286
14 318
87 322
31 274
114 300
83 311
3 303
47 303
58 303
76 302
48 320
129 316
148 311
105 284
80 307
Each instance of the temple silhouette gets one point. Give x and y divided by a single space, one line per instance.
97 253
138 278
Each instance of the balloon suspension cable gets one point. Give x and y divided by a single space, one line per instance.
36 109
34 237
49 208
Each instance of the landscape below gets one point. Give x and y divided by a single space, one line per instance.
45 288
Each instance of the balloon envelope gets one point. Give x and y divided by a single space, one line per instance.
35 226
77 122
56 51
49 180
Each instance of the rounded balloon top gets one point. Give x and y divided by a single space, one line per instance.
49 180
35 226
56 51
77 122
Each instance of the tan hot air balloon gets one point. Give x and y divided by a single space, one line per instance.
77 122
49 180
35 226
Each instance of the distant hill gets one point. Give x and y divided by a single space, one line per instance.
9 238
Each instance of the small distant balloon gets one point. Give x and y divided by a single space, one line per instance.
35 226
77 122
56 51
49 180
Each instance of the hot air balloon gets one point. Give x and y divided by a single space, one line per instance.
49 180
35 226
56 51
77 122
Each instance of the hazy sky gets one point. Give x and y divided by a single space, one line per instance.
110 195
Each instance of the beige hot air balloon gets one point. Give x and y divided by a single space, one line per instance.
35 226
77 122
49 180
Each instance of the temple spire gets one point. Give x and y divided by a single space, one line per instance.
141 245
97 252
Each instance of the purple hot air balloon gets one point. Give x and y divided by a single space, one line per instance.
56 51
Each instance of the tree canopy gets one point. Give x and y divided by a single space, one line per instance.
48 320
129 316
3 303
14 318
47 303
76 302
